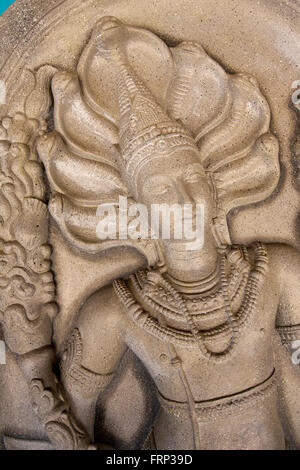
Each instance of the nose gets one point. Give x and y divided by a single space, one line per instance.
182 191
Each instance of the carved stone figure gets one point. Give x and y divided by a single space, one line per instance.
213 328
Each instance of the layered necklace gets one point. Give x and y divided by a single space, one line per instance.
249 279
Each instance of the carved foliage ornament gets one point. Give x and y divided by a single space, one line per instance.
26 284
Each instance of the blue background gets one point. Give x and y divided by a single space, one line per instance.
5 4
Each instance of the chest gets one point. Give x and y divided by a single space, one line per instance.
249 362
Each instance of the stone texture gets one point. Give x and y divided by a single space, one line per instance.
214 80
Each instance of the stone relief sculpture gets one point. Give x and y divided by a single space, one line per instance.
214 327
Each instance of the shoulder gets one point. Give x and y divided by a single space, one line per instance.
285 265
103 309
100 324
284 261
283 253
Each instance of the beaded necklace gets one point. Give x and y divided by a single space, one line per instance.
194 338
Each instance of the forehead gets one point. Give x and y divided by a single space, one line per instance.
179 162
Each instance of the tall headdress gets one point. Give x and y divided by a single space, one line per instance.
146 131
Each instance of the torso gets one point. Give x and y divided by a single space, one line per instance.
182 374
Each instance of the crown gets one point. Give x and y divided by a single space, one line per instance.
146 131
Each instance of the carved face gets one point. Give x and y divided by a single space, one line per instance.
179 179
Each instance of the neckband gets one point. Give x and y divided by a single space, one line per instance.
196 287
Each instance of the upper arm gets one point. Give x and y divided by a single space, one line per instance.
287 267
100 323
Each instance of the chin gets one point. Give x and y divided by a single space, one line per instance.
183 249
